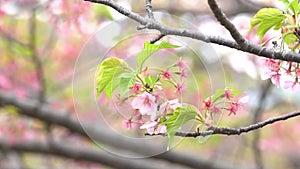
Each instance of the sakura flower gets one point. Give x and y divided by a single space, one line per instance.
129 124
180 64
153 127
207 103
170 105
166 74
294 85
228 94
182 73
238 105
180 88
136 88
275 78
146 104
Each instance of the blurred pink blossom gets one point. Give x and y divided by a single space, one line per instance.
153 127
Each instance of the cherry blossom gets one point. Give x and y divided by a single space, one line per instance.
181 64
166 74
228 94
169 105
146 104
238 105
295 86
153 127
136 88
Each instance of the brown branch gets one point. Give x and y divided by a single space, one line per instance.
235 131
250 48
152 41
47 114
220 16
35 58
257 153
84 154
11 38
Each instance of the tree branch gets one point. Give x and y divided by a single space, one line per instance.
149 9
234 131
84 154
48 115
220 16
251 48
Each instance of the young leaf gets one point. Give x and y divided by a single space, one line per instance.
127 80
218 94
294 6
290 38
149 49
108 76
267 18
180 116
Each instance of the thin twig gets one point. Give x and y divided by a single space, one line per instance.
149 9
220 16
234 131
251 48
157 38
35 58
11 38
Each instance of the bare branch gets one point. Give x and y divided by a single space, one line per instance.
250 48
235 131
157 38
11 38
35 58
85 154
257 153
220 16
149 9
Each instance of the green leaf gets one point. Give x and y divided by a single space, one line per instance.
218 94
102 10
294 6
108 76
127 80
149 49
290 38
180 116
266 18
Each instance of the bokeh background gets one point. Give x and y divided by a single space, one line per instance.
49 52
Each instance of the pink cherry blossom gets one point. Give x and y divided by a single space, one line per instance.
166 74
238 105
130 124
146 104
207 103
136 88
153 127
228 94
180 88
170 105
291 84
180 64
275 78
182 73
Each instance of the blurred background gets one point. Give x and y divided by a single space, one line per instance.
51 118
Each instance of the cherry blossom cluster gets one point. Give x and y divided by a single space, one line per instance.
147 100
151 109
228 100
281 33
